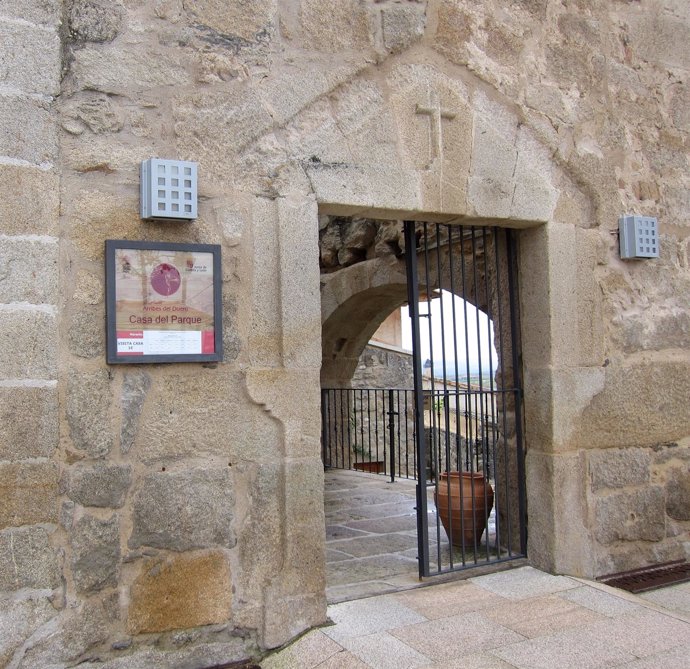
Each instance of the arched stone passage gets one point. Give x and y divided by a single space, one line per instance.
355 300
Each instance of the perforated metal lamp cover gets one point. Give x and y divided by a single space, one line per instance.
638 237
168 189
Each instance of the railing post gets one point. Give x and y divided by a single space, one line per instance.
391 433
325 455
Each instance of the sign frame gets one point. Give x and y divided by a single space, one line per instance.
112 246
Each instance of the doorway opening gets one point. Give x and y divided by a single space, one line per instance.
455 428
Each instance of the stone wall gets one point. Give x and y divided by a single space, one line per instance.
171 514
30 558
383 367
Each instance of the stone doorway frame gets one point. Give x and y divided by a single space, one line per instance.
489 169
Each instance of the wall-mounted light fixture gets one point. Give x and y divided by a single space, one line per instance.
168 189
638 237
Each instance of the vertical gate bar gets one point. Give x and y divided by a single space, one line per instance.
337 396
359 432
413 301
477 413
467 355
407 436
443 398
504 396
369 417
489 395
514 330
348 394
398 459
498 328
451 265
391 433
324 427
383 420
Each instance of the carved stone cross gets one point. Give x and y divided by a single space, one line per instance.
436 114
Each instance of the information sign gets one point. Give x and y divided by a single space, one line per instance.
163 302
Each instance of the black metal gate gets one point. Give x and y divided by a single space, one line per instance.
468 408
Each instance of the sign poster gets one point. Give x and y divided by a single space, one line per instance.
163 302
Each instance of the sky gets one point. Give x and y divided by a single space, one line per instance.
479 333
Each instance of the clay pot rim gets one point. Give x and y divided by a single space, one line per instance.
461 474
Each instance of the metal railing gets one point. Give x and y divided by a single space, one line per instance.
370 430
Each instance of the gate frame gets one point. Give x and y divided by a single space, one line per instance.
411 261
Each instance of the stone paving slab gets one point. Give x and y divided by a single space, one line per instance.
368 616
541 616
385 651
447 638
675 597
571 649
335 532
606 603
384 525
377 545
524 583
459 597
368 569
474 661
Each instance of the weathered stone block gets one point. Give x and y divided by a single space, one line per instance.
32 196
77 630
87 332
246 20
232 651
19 619
560 537
658 38
678 493
184 510
453 31
403 25
27 131
134 390
88 289
613 418
41 12
292 86
95 216
95 553
29 271
200 426
28 493
27 560
619 467
229 121
95 20
28 343
180 592
554 402
97 113
631 516
335 25
88 411
28 422
350 190
101 485
30 58
125 71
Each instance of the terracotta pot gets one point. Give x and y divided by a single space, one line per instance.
375 466
470 502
